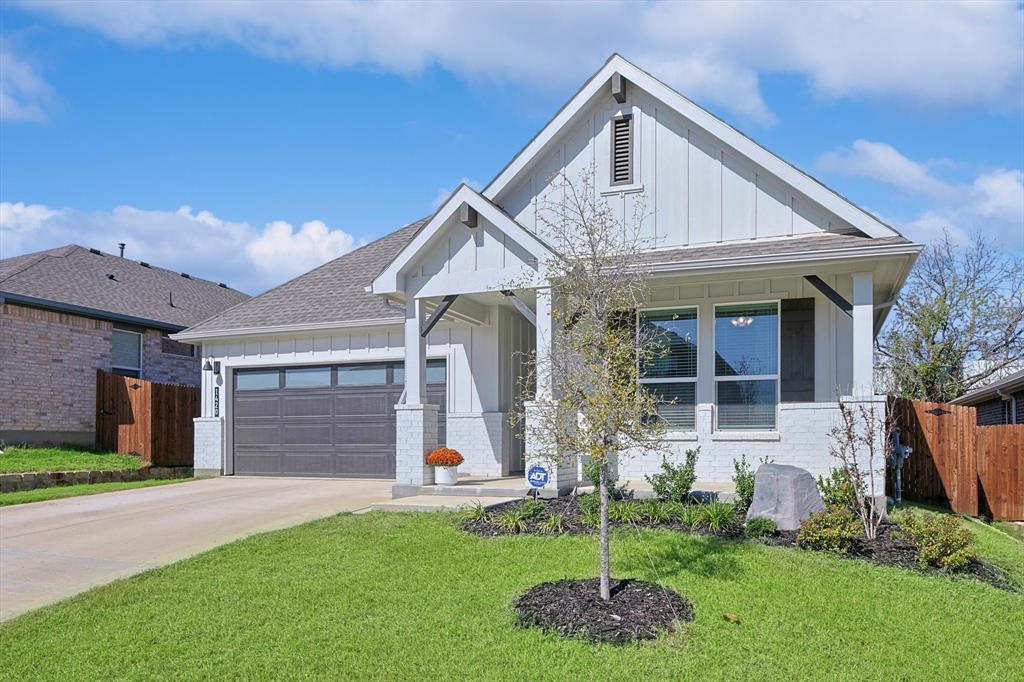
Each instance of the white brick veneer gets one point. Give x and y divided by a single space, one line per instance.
483 438
801 440
208 445
416 436
563 474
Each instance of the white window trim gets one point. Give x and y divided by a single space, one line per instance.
676 432
138 335
718 432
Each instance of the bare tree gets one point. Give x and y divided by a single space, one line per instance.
959 322
598 408
858 440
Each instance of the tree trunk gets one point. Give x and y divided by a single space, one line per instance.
605 564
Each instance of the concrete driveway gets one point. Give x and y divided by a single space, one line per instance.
52 550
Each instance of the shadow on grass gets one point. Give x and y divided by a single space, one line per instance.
663 554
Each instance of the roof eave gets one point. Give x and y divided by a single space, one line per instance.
189 336
84 311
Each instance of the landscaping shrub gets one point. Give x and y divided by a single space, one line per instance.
625 511
743 479
833 530
717 517
674 482
554 524
941 540
589 503
837 491
592 472
476 512
760 527
674 510
512 521
654 511
591 518
532 509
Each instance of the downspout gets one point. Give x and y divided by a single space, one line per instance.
1013 404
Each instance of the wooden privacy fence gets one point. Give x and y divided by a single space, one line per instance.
146 418
956 463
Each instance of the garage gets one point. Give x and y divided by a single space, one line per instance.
323 420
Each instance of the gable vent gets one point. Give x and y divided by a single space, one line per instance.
622 150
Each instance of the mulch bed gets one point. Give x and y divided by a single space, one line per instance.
637 610
886 550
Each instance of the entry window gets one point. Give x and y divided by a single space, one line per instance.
307 377
747 365
363 375
257 379
436 372
126 353
672 374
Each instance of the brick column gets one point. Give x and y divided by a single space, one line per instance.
208 446
416 436
563 471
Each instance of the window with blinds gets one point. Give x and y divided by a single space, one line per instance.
747 365
622 150
671 375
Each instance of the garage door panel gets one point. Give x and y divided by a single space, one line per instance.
306 406
319 434
257 406
338 430
257 434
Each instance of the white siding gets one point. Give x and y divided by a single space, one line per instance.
695 188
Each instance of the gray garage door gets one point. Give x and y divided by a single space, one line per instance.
324 420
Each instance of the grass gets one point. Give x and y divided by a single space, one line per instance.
409 596
1014 530
21 459
57 492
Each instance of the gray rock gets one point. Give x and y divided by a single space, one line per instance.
785 494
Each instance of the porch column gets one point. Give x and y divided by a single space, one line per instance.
416 422
863 335
561 469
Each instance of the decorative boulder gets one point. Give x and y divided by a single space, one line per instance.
785 494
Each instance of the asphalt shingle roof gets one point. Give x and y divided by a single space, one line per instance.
333 292
812 243
74 275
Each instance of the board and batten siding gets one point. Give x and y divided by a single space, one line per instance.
694 189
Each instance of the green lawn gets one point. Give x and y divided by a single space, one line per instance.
409 596
18 459
57 492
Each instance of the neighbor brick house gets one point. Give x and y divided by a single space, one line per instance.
66 312
1001 402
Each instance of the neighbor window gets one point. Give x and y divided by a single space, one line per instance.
126 353
672 374
622 150
169 346
747 365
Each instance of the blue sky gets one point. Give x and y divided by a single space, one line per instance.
217 139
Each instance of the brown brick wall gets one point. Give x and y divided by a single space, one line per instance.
48 363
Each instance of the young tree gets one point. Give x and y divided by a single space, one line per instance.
598 408
959 321
859 440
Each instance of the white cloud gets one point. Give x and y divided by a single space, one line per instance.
24 94
959 54
198 242
881 162
444 192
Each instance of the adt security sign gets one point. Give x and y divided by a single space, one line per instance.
537 476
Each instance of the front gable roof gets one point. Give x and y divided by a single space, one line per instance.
711 124
391 279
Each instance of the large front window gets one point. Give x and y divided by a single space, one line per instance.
747 365
672 373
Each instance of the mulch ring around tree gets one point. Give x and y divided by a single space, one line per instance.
637 610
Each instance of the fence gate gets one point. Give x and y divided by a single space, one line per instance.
956 463
146 418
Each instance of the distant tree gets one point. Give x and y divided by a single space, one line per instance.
959 322
598 408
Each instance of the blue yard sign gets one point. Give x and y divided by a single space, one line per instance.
537 476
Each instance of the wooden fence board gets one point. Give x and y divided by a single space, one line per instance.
149 419
956 463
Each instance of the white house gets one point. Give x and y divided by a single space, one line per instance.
771 285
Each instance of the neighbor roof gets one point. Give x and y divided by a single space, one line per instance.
88 282
332 293
1010 384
